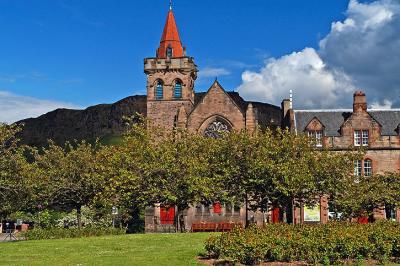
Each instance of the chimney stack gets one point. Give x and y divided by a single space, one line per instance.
360 102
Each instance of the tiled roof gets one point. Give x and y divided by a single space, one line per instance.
333 119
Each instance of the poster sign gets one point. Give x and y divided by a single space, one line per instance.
312 214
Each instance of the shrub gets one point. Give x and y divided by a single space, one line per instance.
333 243
57 233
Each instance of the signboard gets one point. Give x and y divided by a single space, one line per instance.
312 214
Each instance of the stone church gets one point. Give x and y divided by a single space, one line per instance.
173 102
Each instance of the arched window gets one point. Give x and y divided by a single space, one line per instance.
159 92
178 90
169 52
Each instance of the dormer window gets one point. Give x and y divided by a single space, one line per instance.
361 137
169 52
317 135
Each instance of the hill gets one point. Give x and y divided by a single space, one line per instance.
104 121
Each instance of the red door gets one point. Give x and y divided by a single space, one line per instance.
217 208
167 214
276 215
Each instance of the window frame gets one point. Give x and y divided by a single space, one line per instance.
178 88
358 167
361 138
318 136
369 167
159 90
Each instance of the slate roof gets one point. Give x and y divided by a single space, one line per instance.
333 119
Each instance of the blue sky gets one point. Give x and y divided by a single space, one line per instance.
80 53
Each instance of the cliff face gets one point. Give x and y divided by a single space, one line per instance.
100 121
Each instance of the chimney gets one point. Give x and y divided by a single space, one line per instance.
360 102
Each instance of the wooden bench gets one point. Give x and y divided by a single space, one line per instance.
215 227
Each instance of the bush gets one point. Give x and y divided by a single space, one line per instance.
57 233
334 243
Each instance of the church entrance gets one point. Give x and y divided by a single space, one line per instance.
167 214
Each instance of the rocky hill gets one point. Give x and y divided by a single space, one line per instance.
101 121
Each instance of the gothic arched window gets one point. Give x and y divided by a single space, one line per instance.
169 52
178 90
159 92
216 129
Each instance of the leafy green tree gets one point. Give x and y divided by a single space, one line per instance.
14 171
68 178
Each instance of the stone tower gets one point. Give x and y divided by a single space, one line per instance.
170 79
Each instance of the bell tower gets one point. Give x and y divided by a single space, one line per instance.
170 79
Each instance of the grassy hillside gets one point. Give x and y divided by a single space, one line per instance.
143 249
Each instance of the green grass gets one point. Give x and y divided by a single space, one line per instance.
141 249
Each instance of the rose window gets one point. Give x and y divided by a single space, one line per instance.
216 129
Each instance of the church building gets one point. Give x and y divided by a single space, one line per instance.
172 102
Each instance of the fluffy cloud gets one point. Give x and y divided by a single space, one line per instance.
15 107
361 52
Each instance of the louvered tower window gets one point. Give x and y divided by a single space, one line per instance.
169 52
159 90
178 90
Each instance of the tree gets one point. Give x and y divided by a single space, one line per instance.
14 172
68 177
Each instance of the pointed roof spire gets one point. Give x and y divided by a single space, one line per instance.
170 44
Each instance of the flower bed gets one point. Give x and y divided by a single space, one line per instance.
56 233
334 243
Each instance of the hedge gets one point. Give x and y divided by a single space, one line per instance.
333 243
57 233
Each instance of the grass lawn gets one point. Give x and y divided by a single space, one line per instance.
143 249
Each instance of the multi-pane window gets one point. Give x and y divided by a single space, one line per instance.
178 90
317 135
365 137
361 137
357 168
159 93
363 167
367 167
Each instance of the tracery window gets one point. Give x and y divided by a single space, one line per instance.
216 129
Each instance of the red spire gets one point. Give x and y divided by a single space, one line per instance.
170 39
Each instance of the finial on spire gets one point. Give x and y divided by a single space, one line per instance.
170 4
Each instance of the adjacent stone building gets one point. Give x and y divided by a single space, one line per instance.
377 131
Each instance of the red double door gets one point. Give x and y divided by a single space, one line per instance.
167 214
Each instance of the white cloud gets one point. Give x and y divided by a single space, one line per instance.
387 104
361 52
15 107
208 72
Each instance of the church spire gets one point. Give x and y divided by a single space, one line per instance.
170 44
